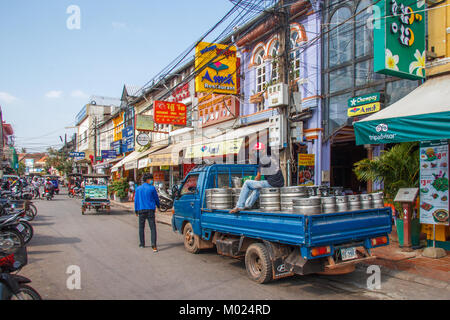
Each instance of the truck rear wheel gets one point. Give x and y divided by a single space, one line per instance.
258 264
191 241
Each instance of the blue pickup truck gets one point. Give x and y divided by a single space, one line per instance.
274 244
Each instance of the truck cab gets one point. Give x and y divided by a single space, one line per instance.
274 244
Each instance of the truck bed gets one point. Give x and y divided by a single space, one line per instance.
297 229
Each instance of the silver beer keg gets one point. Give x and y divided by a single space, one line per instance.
377 200
269 199
308 206
342 203
366 201
288 194
221 199
354 201
328 204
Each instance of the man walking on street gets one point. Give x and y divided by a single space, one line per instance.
145 202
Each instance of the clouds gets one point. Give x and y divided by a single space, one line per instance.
79 94
54 94
7 98
119 25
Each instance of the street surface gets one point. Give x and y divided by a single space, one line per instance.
112 266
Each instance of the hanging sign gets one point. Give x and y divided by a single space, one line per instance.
143 139
128 139
170 113
220 73
399 39
144 123
364 109
434 183
306 164
109 154
117 147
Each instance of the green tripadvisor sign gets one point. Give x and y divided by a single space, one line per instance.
399 39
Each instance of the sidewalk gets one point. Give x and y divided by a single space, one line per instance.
409 266
412 266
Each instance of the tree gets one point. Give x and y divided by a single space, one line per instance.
58 160
396 168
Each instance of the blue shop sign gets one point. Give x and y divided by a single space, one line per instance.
128 139
109 154
117 147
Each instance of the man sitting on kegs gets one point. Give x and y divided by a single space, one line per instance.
269 168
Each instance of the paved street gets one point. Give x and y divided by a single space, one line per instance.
105 247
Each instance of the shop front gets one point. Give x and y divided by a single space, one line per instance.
232 147
423 115
166 164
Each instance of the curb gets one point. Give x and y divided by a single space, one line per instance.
408 276
159 217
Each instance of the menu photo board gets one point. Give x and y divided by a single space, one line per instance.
306 165
434 183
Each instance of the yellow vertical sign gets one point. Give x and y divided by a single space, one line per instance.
219 64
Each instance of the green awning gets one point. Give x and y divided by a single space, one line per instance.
424 114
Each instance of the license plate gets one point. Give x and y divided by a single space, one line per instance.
348 254
20 227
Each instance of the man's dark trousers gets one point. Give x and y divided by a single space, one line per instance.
148 215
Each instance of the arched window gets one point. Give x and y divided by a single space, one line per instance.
341 37
260 70
298 35
363 35
273 53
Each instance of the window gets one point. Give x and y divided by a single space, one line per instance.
363 35
340 38
339 79
260 71
274 53
190 186
348 62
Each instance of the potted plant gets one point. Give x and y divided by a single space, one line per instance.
396 168
120 188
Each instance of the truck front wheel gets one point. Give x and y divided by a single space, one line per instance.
258 264
191 241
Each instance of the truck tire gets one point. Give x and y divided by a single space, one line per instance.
258 264
191 242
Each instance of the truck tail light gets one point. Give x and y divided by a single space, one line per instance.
173 211
320 251
378 241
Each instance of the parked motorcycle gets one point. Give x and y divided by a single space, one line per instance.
8 207
13 286
15 222
11 239
165 200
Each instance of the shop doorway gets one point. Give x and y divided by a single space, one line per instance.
343 157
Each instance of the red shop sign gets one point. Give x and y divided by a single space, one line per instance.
170 113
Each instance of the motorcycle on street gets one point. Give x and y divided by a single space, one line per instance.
76 192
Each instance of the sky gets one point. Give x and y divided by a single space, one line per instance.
49 69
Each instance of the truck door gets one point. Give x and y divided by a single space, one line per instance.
188 205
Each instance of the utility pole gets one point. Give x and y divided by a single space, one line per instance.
95 141
284 67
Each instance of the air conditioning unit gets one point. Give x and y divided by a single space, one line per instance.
278 95
277 132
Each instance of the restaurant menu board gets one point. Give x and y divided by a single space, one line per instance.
96 192
306 164
434 184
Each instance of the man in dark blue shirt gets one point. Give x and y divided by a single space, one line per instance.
145 202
